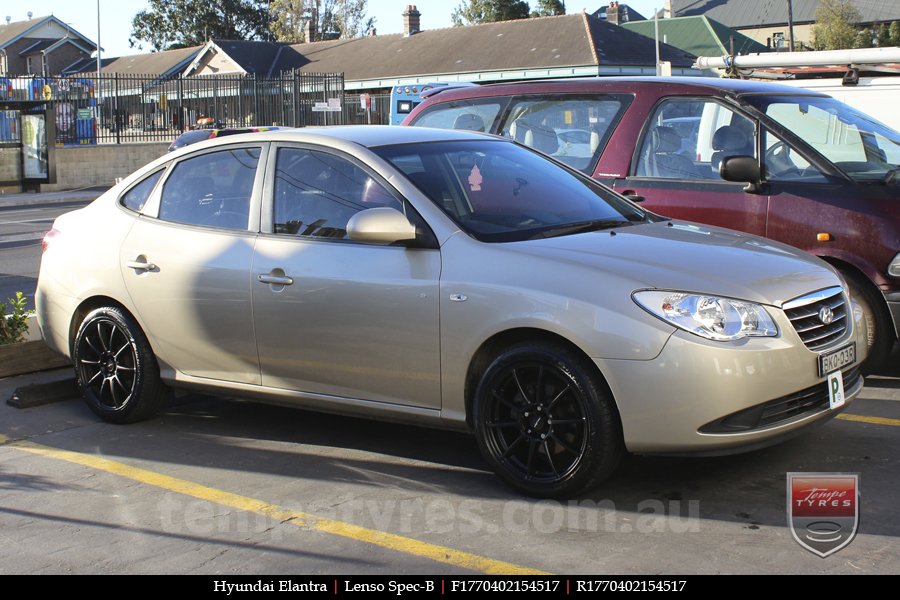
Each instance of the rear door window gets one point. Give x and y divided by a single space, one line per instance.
571 129
211 190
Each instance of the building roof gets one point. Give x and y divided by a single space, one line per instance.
742 14
15 30
551 44
168 62
699 35
544 42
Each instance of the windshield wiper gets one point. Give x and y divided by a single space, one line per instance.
580 227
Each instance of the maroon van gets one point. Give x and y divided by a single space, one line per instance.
788 164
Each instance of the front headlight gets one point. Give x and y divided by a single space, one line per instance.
712 317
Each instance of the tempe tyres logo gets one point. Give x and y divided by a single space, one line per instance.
823 510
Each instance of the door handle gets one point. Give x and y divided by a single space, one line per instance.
633 196
139 265
275 279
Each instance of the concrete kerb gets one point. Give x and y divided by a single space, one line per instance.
85 195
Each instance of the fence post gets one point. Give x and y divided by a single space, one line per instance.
117 122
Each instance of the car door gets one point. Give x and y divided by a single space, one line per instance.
333 316
674 169
186 264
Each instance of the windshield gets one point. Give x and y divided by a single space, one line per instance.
856 143
499 192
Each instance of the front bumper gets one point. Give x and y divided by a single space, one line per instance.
700 396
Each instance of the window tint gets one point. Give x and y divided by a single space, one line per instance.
316 193
136 197
212 190
466 114
499 192
570 129
687 138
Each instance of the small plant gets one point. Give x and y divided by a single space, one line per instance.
14 326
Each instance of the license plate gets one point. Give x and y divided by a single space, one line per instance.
837 359
835 389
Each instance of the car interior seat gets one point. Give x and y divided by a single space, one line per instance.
730 140
469 122
663 159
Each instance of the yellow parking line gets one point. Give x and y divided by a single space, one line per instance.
873 420
384 539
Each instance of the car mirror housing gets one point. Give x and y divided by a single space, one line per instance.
744 169
380 225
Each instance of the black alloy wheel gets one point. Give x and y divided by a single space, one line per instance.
545 423
115 367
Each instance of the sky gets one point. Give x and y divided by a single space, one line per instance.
116 15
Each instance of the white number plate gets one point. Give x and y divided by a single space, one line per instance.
835 389
837 359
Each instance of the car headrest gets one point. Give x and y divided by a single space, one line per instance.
469 122
729 137
666 139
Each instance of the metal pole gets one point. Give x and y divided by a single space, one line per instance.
656 37
790 7
99 90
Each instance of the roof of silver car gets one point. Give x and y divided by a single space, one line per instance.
372 136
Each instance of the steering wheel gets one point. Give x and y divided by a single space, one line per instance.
778 160
230 219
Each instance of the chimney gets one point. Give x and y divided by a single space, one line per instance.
667 10
411 20
311 26
612 13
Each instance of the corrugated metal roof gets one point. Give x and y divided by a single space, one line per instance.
749 13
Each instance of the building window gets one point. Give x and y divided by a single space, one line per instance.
29 65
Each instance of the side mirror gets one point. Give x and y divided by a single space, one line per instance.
743 169
381 225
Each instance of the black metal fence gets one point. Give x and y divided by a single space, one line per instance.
377 113
125 108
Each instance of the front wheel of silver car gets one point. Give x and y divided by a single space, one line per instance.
545 422
115 367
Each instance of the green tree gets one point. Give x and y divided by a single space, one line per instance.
883 38
549 8
863 39
171 24
334 18
895 33
488 11
836 25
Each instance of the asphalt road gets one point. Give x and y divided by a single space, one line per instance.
222 487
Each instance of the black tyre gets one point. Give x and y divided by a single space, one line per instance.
545 423
878 322
115 367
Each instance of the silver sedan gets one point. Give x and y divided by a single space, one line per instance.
448 279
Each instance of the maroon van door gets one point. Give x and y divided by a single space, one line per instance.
713 203
675 170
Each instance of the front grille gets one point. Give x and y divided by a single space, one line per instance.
806 315
782 410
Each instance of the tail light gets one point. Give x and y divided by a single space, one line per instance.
48 239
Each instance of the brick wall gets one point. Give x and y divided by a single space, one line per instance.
88 166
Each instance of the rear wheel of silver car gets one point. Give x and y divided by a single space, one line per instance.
115 367
545 421
878 322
